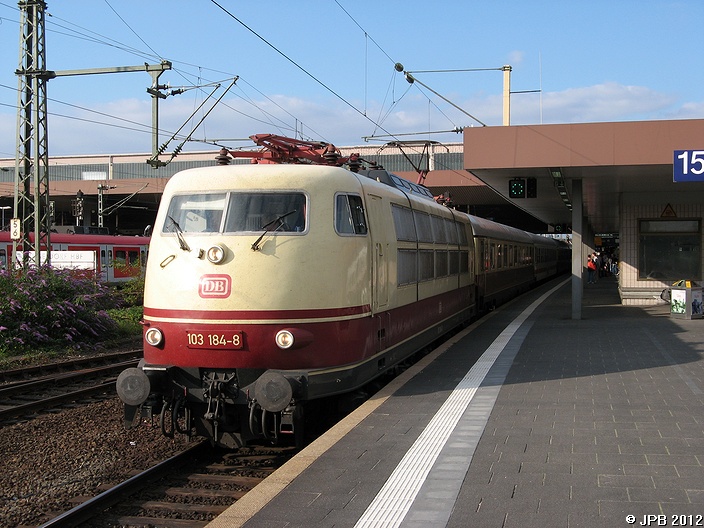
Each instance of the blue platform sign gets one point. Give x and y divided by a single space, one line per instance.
688 166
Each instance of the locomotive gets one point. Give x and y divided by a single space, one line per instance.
270 286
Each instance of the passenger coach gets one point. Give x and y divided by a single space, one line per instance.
117 258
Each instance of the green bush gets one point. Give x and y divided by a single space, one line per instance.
45 308
128 320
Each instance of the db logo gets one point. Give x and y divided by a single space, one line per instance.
215 286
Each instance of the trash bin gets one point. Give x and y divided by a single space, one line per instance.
686 301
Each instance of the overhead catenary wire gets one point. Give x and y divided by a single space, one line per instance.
396 64
277 50
132 30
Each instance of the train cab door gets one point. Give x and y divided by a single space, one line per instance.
380 258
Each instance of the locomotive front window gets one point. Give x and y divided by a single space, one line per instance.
195 213
277 212
236 212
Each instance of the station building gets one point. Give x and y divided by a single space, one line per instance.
608 187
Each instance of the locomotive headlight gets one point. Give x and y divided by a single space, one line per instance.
216 254
284 339
153 336
293 338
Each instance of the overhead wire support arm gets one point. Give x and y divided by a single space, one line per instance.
154 160
155 70
149 68
412 79
114 207
456 130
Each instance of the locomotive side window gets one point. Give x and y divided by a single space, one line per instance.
195 213
441 263
349 215
403 222
407 267
425 265
423 226
278 212
462 234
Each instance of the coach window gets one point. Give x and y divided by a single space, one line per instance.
669 249
349 215
121 257
486 255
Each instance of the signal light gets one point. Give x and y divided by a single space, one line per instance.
531 188
517 188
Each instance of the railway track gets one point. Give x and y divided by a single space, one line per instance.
29 391
69 365
186 491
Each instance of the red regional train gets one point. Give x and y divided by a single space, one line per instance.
117 258
271 286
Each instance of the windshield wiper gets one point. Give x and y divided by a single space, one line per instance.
265 227
179 234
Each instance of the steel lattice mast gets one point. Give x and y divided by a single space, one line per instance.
31 206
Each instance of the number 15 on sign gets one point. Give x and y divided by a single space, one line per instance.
688 166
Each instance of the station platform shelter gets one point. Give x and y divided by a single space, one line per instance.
610 185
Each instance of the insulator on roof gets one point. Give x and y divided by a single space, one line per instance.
354 164
223 158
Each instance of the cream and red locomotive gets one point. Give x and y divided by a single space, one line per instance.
269 286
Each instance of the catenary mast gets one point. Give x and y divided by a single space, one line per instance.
31 204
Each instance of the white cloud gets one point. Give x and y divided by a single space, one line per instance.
602 102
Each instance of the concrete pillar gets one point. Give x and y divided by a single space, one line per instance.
578 225
507 95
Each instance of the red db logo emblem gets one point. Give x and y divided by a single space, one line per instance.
215 286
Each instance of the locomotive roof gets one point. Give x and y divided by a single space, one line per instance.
397 182
182 179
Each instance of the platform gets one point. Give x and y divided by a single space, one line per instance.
525 419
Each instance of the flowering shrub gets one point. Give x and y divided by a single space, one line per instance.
43 307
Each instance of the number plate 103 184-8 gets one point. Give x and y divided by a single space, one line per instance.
225 340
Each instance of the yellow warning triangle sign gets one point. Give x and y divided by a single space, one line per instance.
668 212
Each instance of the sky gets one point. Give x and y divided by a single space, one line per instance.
325 70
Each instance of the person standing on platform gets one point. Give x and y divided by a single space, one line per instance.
591 269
